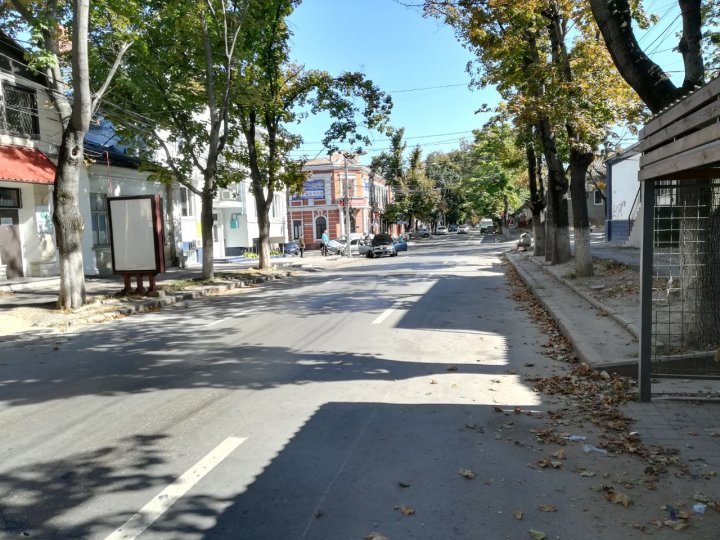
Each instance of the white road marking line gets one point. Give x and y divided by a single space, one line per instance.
149 513
384 315
238 314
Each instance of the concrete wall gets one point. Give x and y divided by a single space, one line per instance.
624 186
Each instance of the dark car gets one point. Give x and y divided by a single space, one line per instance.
453 228
382 244
400 244
291 248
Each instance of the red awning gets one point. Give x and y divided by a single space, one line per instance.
21 164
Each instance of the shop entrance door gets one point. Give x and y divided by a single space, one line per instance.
10 247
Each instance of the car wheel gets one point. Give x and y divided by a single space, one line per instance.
394 254
370 255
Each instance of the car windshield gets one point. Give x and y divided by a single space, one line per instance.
381 239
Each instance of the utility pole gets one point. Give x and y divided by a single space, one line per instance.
347 206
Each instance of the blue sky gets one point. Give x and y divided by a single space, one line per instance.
401 52
410 57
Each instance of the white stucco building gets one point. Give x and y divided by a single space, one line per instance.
623 194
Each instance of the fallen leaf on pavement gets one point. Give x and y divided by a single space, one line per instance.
677 525
556 464
547 508
433 381
407 510
544 463
518 515
617 497
699 497
452 368
560 454
537 535
376 536
587 474
403 484
467 473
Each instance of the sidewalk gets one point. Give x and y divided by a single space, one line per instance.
684 414
27 306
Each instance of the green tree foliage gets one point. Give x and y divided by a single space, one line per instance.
545 58
174 95
274 93
415 194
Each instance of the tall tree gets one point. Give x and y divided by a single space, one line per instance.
276 93
616 20
698 268
549 76
61 36
176 103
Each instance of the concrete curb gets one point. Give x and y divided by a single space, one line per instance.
585 351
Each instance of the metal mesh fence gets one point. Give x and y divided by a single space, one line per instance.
686 278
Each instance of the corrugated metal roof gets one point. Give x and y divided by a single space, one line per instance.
22 164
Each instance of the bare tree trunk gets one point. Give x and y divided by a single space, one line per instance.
68 221
66 216
699 260
536 203
206 227
264 247
557 197
647 78
580 159
170 232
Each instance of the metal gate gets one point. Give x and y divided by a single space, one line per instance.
686 278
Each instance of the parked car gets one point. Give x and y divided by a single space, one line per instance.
441 229
382 244
291 248
453 228
335 247
421 232
484 224
400 244
463 229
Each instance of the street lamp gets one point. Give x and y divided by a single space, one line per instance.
348 155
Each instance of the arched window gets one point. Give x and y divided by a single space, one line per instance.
320 226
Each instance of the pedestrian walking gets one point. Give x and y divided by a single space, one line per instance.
325 241
301 244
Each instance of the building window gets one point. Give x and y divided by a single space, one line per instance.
297 229
18 110
276 212
186 202
598 197
320 227
99 216
10 198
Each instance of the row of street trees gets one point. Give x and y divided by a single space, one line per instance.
202 88
569 73
478 179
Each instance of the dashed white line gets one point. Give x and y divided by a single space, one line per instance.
149 513
215 322
384 315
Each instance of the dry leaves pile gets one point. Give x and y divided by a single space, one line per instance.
594 396
558 347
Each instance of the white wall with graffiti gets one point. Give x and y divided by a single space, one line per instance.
623 187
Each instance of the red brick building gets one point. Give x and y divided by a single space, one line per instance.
321 205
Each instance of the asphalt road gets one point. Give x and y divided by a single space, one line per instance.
329 406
